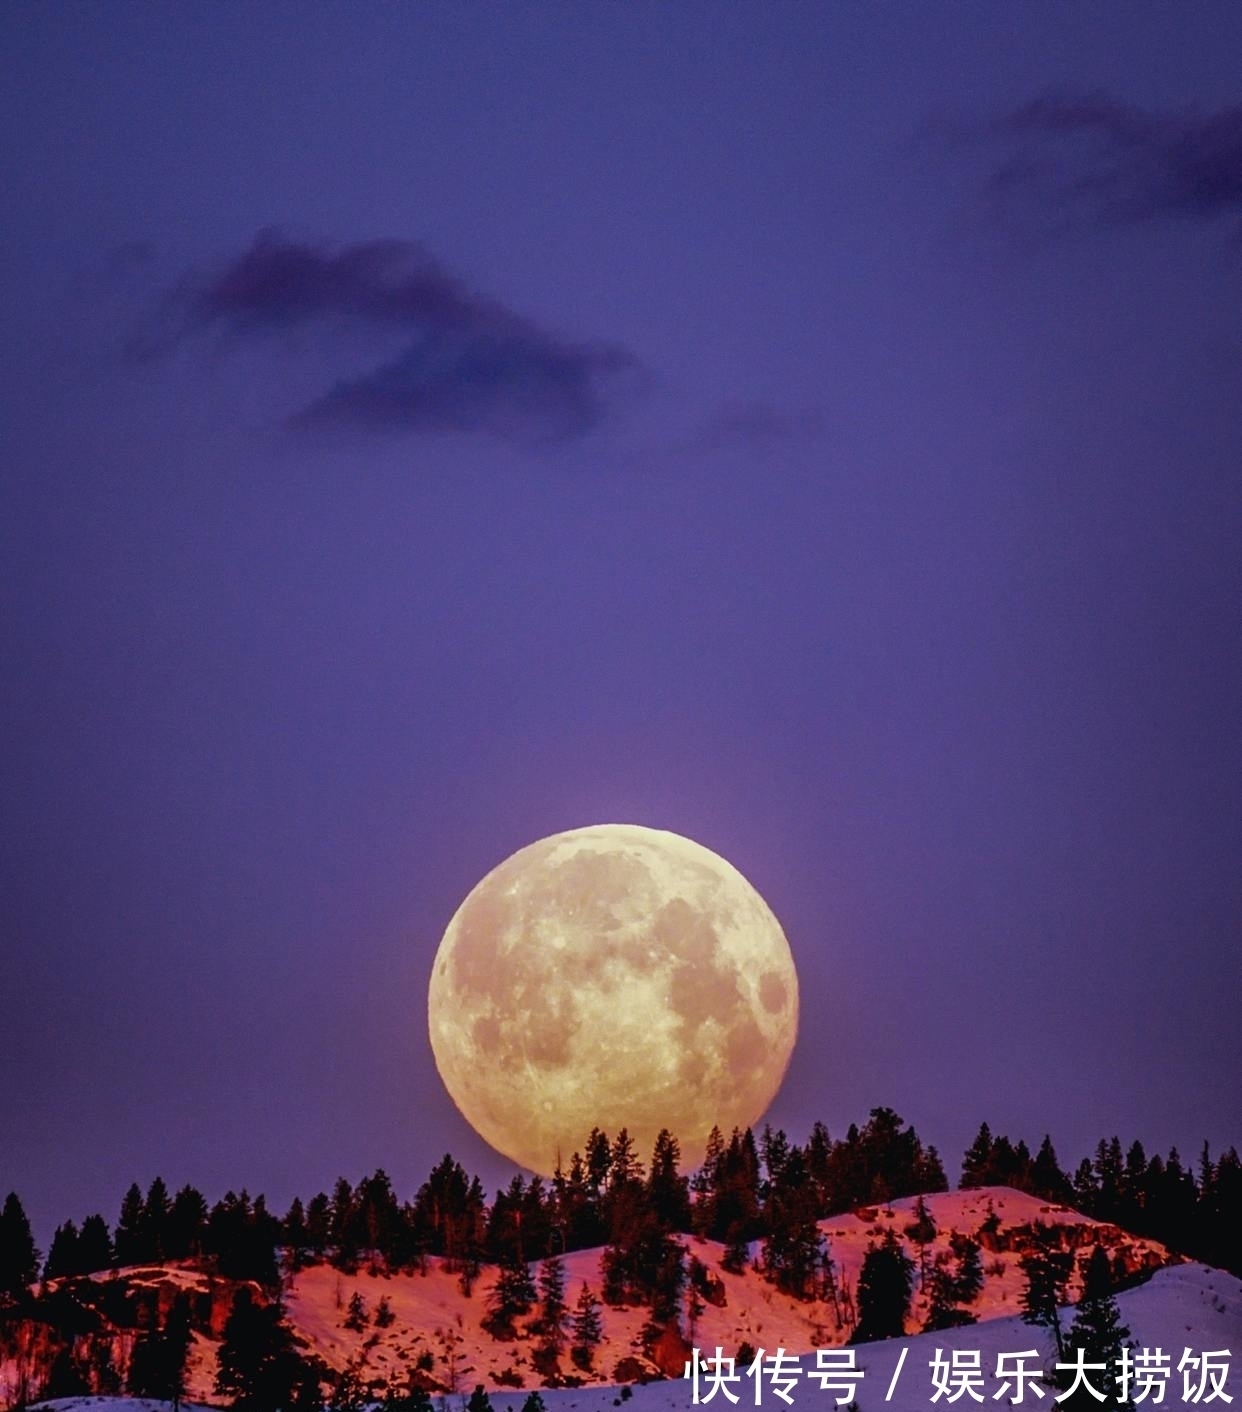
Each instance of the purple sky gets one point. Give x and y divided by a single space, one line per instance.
811 428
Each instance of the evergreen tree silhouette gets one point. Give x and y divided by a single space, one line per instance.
19 1258
922 1231
153 1223
1098 1331
553 1312
587 1330
95 1251
158 1365
130 1249
512 1295
885 1284
977 1163
1046 1271
411 1398
63 1256
185 1225
479 1400
1047 1178
257 1364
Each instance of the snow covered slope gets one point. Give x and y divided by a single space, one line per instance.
1182 1306
435 1327
435 1323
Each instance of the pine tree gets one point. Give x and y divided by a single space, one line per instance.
884 1288
944 1310
19 1258
665 1287
186 1224
977 1163
704 1182
830 1290
242 1236
553 1312
1097 1330
1226 1249
158 1366
668 1192
794 1248
377 1217
177 1350
318 1225
819 1164
513 1294
598 1161
968 1278
349 1392
695 1279
154 1221
537 1215
735 1199
587 1329
533 1403
63 1256
411 1398
94 1246
922 1231
578 1214
342 1229
505 1236
1084 1187
471 1232
129 1245
1046 1271
736 1252
257 1365
614 1275
294 1236
479 1400
929 1171
1047 1179
625 1166
1109 1175
774 1150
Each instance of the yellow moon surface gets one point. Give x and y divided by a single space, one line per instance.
612 976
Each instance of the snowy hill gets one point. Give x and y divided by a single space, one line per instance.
432 1320
435 1329
1182 1306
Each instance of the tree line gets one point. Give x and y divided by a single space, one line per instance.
747 1189
1195 1212
760 1197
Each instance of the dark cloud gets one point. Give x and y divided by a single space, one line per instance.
523 387
470 364
1089 155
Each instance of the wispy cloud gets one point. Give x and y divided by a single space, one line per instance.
1088 156
470 363
757 424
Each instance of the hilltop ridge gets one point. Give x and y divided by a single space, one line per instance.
433 1330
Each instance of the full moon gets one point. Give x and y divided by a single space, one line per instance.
613 976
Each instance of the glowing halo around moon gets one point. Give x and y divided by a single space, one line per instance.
612 976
